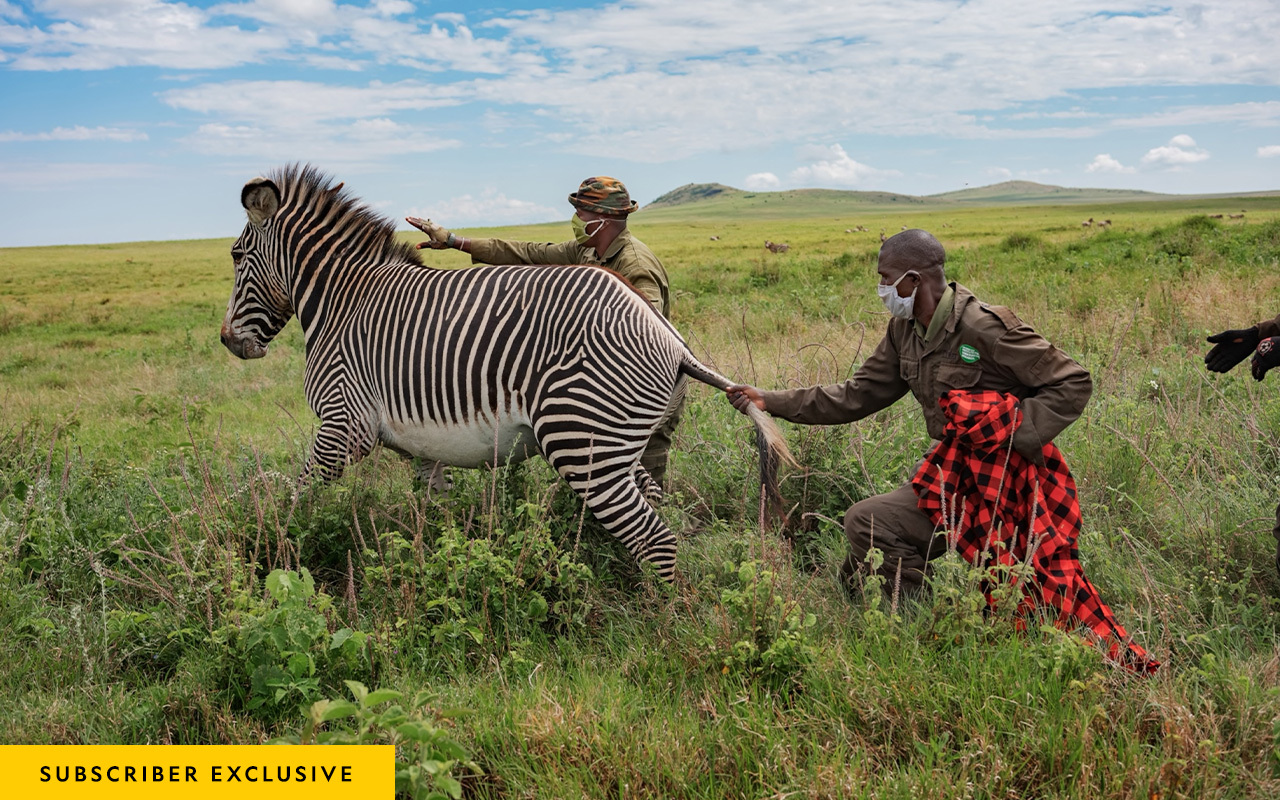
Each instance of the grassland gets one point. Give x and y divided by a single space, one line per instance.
146 499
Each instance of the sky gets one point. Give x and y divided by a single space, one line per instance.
128 120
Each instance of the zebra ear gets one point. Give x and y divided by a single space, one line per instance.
261 198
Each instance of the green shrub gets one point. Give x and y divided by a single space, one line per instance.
769 638
1021 241
489 594
283 644
426 756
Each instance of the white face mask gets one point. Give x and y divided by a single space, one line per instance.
900 307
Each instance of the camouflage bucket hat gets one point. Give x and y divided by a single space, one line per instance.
603 195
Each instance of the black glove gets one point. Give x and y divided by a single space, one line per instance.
1268 356
1230 348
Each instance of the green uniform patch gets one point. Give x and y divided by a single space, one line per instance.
968 353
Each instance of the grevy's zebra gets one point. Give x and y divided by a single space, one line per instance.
468 367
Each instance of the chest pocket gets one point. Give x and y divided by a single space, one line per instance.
956 376
909 370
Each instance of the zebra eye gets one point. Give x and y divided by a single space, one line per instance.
236 257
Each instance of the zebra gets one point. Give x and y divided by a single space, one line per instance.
469 367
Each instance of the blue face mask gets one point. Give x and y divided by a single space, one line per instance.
900 307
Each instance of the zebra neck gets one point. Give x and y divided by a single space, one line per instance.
318 294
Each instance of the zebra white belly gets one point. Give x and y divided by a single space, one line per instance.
470 444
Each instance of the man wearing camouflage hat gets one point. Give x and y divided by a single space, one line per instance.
600 238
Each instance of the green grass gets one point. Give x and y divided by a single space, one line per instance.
146 495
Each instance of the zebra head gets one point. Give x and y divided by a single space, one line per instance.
260 304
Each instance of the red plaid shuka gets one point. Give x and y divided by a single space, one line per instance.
975 486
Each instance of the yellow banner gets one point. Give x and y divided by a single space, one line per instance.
194 772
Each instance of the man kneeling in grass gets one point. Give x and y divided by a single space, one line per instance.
995 393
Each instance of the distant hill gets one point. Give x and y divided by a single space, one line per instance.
692 193
1030 192
718 200
715 200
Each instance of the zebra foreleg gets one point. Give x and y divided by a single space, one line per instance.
432 474
336 445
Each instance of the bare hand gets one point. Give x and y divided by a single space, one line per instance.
741 396
439 236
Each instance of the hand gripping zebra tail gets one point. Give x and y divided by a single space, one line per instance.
467 367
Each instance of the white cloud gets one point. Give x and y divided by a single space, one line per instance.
316 13
301 103
101 34
490 208
302 120
1269 151
1103 162
1000 173
1259 114
77 134
833 166
1179 152
761 182
681 70
57 175
358 143
663 80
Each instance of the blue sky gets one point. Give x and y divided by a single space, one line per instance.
141 119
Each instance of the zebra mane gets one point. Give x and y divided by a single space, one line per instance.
304 187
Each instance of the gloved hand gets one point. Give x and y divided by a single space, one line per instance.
1230 348
1268 356
439 236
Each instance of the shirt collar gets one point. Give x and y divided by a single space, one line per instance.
941 314
616 245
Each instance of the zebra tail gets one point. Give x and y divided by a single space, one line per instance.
770 443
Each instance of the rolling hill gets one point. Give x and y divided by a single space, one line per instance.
715 200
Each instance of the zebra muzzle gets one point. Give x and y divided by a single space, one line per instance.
247 347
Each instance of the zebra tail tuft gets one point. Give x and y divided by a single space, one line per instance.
772 449
770 443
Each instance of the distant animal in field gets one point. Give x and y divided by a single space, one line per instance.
1215 216
1236 216
776 247
467 367
1106 223
1088 223
882 236
715 238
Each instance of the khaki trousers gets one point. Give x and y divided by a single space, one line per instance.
893 523
654 458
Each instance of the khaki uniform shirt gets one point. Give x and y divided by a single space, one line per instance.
627 256
981 347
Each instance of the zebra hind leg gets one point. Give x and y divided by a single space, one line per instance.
617 504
